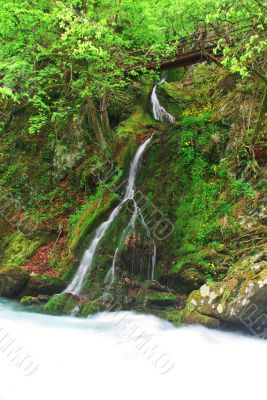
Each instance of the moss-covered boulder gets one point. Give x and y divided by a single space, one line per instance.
43 285
191 276
239 300
61 304
66 303
29 301
12 281
88 308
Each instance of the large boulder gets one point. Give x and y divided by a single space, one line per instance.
43 285
240 300
12 281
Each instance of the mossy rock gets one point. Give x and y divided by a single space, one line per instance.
176 74
195 318
43 285
60 304
135 250
12 281
155 286
191 276
90 218
29 301
88 308
241 294
174 316
161 299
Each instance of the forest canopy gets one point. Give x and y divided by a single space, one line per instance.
83 47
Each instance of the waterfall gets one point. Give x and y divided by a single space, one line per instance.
159 112
130 195
84 269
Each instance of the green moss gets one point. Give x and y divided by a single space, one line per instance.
88 216
29 300
130 128
60 304
195 318
124 140
161 296
173 316
17 250
161 299
88 308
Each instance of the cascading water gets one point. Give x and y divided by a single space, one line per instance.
137 213
159 112
77 284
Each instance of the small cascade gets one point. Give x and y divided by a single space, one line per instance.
75 311
159 112
84 269
137 214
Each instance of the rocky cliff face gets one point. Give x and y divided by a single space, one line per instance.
201 186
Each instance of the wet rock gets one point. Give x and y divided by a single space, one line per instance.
191 277
156 286
63 303
12 281
29 301
43 286
43 298
88 308
239 300
195 318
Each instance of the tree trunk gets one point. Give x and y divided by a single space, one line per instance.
104 119
261 118
94 122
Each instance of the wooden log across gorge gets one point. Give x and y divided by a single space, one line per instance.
189 51
180 60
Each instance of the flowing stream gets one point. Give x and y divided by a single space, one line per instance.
84 269
110 356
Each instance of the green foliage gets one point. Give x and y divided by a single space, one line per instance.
242 188
201 207
63 86
17 250
244 43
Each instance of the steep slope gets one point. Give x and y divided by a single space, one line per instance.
201 188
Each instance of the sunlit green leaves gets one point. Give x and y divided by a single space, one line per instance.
245 44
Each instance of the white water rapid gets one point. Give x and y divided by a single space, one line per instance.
106 357
84 269
159 112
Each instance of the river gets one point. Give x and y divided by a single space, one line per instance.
123 355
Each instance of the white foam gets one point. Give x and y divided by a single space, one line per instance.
100 357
